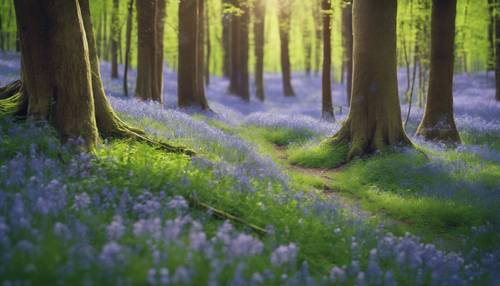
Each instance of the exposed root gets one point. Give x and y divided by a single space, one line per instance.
13 102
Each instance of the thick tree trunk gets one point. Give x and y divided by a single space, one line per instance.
285 17
128 41
327 105
239 77
259 33
347 35
374 120
438 122
191 92
150 22
115 38
56 68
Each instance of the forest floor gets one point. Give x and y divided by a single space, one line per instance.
130 213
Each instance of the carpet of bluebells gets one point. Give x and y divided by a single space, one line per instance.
71 218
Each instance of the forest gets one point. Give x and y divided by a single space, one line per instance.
250 142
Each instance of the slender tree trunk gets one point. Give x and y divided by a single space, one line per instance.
128 45
208 44
347 34
285 17
374 120
327 111
438 122
259 34
239 78
317 30
491 35
191 91
226 38
115 37
150 23
497 51
56 67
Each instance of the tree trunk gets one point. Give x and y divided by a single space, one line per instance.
115 37
56 68
208 45
374 120
438 122
150 22
259 33
226 39
347 34
284 19
239 78
327 105
191 92
497 51
317 30
127 45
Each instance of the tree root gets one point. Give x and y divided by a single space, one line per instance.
195 203
12 100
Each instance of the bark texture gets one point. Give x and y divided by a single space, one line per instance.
285 18
56 67
327 104
438 122
128 40
374 120
191 88
259 39
150 23
115 38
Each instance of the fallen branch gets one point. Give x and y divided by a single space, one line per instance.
195 203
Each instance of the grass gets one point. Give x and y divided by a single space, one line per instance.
324 155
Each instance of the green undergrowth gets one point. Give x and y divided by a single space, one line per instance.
323 155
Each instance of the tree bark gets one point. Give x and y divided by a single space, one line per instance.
191 92
316 14
56 67
284 19
438 122
327 105
374 120
128 41
115 37
150 22
259 34
208 45
347 35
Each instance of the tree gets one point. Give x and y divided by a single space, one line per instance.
438 122
226 37
115 38
497 51
150 26
259 34
61 79
128 45
327 105
239 78
284 19
374 120
347 41
191 88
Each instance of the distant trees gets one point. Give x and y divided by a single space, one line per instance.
374 120
190 79
327 104
438 122
497 50
284 19
150 26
